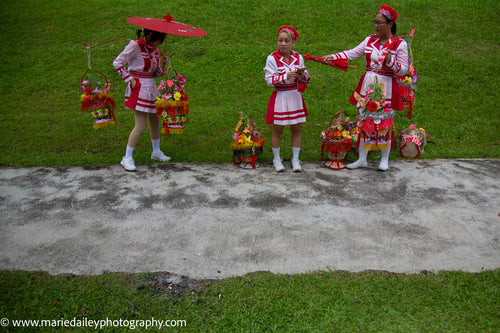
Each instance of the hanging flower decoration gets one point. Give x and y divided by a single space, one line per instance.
173 104
408 85
96 99
173 89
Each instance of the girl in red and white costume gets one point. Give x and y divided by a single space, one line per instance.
386 58
286 105
144 65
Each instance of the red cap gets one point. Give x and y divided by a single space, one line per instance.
294 32
388 12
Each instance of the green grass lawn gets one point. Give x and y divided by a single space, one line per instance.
42 59
264 302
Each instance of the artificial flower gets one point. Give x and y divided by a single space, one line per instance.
374 100
173 89
372 106
246 135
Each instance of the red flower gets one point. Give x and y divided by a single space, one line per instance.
372 106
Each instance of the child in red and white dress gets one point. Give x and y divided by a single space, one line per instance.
386 58
144 65
285 72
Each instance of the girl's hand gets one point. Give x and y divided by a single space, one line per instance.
328 57
292 75
132 83
163 60
388 59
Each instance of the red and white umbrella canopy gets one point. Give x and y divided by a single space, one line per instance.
167 25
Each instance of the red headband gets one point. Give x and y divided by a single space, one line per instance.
388 12
294 32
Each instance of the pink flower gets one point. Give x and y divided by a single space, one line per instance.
170 83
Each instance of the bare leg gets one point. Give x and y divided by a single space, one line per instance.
140 126
276 135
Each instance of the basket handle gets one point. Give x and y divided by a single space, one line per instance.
89 66
335 116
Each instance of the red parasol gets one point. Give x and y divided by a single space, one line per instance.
167 25
342 64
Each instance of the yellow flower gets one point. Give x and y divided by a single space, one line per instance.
177 96
357 97
346 134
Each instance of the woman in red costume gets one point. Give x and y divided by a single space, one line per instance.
386 58
144 65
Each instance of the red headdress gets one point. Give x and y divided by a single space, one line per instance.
388 12
294 32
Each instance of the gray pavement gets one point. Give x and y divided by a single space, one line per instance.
216 220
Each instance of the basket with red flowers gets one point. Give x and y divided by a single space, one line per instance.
173 105
247 144
337 140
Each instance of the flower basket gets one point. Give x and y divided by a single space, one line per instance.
412 141
98 102
375 118
174 114
173 105
337 141
247 145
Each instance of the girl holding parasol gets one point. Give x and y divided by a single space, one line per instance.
386 58
144 64
285 72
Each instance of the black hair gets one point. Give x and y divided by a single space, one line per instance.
151 35
393 28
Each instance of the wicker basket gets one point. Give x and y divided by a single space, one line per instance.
335 145
412 141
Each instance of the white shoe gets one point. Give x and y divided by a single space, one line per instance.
278 166
128 164
383 166
159 156
357 164
296 165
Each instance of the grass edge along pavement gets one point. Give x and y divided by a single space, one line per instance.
41 122
317 301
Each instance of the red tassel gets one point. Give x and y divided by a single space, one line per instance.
392 139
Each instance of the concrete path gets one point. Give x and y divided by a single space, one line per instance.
216 220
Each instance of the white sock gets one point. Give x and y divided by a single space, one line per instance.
385 154
129 151
156 145
296 152
363 153
276 152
